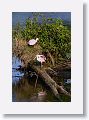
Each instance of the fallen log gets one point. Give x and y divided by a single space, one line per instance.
50 82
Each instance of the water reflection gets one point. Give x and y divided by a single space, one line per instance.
16 74
25 90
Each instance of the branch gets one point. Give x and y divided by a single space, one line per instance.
51 57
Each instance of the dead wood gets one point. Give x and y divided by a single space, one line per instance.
56 89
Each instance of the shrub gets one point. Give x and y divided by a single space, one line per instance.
54 36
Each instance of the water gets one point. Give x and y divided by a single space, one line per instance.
24 89
22 16
16 75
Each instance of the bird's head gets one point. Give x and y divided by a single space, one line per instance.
37 39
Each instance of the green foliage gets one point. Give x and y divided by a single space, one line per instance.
17 32
52 33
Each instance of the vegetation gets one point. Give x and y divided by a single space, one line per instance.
54 42
54 36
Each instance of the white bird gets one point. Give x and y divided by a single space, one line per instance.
41 58
33 41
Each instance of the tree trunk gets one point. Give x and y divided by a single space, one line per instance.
50 82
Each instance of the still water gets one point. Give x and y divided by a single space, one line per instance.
23 86
16 73
22 16
24 89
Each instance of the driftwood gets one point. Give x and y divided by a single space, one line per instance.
56 89
27 56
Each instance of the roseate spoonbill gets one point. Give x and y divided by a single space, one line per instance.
42 93
40 97
41 58
33 41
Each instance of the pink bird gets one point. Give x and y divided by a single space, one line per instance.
42 93
33 41
41 59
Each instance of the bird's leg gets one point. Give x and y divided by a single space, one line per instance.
36 80
34 58
41 65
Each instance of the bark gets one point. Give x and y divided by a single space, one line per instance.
50 82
